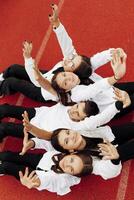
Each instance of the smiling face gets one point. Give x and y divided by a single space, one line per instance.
72 64
76 112
70 140
67 80
71 164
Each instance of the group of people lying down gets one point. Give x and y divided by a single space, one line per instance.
74 131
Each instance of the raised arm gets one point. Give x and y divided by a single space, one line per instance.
43 82
35 131
29 61
63 38
41 180
118 64
123 101
104 57
30 180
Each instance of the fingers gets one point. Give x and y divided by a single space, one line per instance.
23 151
26 172
20 174
26 123
32 174
118 93
54 16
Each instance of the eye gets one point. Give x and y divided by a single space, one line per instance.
71 160
68 132
66 141
72 171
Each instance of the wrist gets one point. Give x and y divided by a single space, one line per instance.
116 78
56 24
32 143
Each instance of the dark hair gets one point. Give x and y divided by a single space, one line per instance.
91 108
91 144
64 97
84 70
85 157
55 141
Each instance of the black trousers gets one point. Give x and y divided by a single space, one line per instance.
12 163
17 80
129 88
9 128
124 137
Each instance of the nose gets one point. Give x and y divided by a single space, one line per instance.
72 138
73 111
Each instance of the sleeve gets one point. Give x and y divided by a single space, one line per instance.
106 169
65 42
90 123
29 64
90 91
59 183
42 144
101 58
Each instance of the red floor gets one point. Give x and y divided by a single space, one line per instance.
94 25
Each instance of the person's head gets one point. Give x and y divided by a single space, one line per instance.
64 81
65 140
80 65
81 110
77 164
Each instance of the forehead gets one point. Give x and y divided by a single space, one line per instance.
62 133
81 106
78 163
61 74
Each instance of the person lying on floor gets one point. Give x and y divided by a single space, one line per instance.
69 90
81 116
66 139
54 171
67 85
10 79
105 156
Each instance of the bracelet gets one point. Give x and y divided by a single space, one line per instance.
117 79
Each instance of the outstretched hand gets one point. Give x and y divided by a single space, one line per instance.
53 18
26 123
123 96
118 63
29 180
108 151
27 144
27 49
37 73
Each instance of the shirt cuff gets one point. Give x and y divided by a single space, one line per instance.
29 61
119 105
59 29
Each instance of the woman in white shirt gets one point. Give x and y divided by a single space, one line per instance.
54 171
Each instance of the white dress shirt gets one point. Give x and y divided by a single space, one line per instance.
61 183
51 181
54 117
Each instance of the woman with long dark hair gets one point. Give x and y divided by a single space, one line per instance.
54 171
